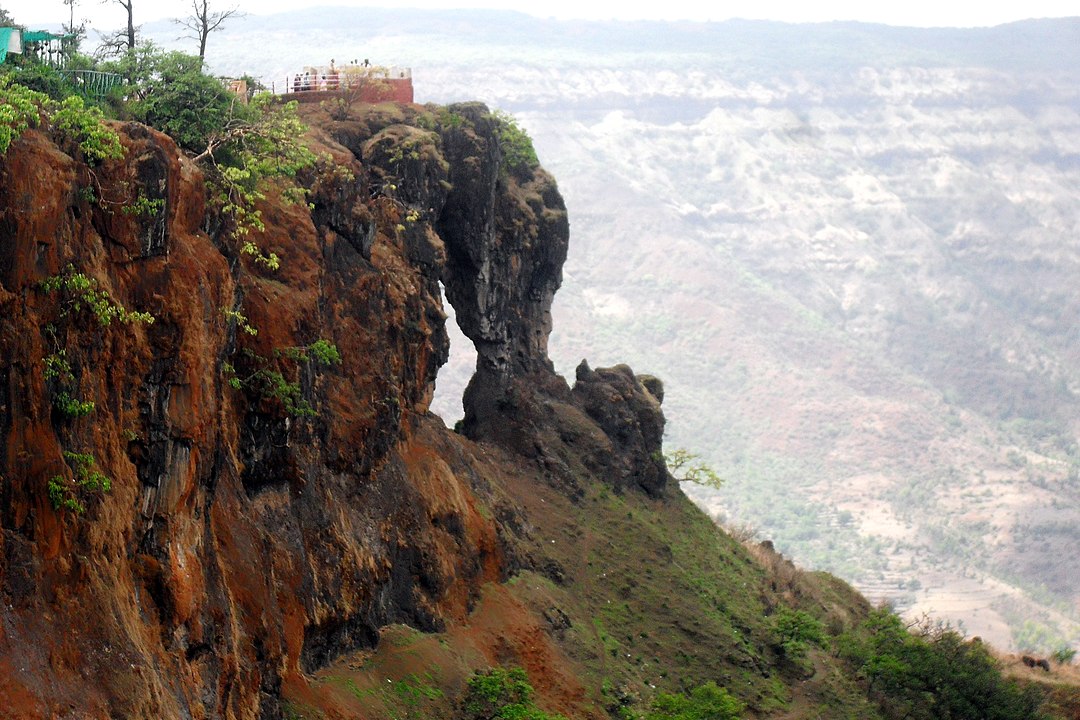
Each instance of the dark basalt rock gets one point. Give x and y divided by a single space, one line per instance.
506 242
629 414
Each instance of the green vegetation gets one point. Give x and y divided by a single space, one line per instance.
409 695
80 292
71 493
241 321
518 154
706 702
323 351
262 377
57 367
1033 635
83 124
1063 655
413 690
445 117
169 91
20 108
933 673
71 407
242 148
795 631
144 207
80 297
671 562
82 303
685 467
501 694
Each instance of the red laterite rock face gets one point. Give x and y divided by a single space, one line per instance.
254 532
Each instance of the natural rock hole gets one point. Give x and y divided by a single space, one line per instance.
454 376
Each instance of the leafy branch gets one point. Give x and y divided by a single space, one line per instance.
68 493
264 378
252 148
21 108
684 466
80 291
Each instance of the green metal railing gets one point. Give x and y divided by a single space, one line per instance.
93 83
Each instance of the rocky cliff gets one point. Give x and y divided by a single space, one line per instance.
200 509
222 494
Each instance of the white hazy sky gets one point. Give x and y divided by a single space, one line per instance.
107 14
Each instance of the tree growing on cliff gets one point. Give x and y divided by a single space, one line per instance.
258 145
173 94
242 147
202 21
685 466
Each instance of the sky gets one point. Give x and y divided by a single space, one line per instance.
107 14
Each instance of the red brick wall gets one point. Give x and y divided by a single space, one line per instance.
392 90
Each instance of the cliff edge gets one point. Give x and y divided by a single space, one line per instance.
199 507
222 494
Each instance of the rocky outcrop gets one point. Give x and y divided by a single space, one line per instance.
626 408
505 254
269 509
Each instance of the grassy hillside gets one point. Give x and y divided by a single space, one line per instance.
639 598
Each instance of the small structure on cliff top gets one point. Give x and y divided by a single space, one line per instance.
55 50
10 41
364 82
48 48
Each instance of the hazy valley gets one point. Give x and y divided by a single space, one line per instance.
849 251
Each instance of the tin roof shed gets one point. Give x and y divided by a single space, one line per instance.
10 42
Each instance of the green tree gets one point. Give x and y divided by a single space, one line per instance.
501 694
686 466
242 147
795 631
933 673
706 702
174 95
